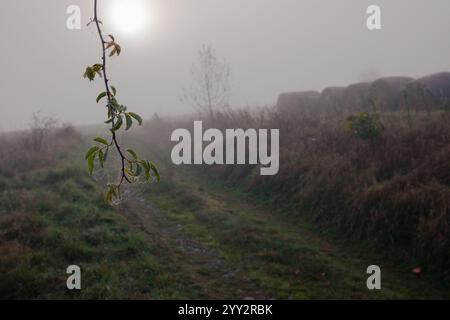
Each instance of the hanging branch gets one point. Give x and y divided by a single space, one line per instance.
132 167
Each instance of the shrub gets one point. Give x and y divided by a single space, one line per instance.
366 126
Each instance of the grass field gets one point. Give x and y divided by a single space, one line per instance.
173 241
191 236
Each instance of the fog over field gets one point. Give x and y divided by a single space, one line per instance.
255 150
271 47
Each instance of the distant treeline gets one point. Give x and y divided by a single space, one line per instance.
383 95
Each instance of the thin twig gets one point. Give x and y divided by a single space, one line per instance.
109 95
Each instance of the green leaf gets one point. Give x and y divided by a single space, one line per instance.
129 172
92 71
114 104
101 96
118 124
147 173
97 67
102 141
110 120
109 194
105 155
155 171
90 161
136 116
91 151
129 121
89 73
146 166
133 153
118 49
115 190
114 90
138 170
101 158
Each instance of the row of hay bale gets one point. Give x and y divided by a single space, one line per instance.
383 95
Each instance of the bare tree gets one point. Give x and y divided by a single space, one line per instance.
210 89
40 127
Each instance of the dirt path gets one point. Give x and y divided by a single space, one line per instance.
219 246
199 268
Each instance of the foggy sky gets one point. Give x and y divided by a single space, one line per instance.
272 46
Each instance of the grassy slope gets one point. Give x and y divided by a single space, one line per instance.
52 218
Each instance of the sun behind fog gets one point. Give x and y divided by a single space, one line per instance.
130 17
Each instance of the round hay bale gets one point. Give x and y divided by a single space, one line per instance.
428 93
386 93
356 98
332 99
